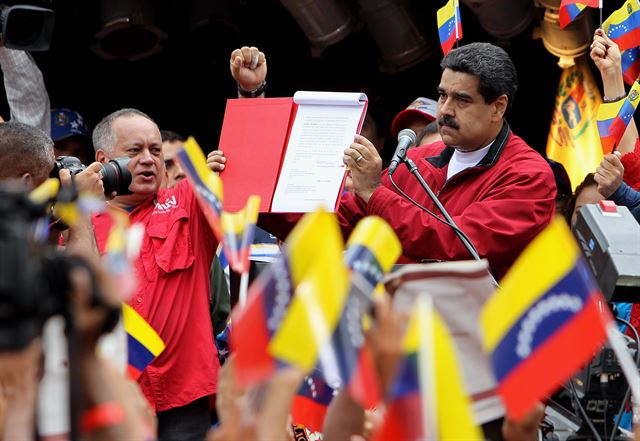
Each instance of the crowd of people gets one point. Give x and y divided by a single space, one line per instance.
498 190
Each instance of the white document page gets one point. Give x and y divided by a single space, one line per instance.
312 170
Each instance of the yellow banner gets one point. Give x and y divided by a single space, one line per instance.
573 137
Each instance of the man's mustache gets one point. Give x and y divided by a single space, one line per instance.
449 122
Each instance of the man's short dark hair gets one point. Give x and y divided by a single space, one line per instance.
171 136
491 64
24 149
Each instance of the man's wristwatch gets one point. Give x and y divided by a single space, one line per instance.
252 93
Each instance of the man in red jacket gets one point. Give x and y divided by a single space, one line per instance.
498 190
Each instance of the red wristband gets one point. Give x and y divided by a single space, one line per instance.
101 415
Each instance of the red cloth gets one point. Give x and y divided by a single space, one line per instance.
501 204
173 295
631 162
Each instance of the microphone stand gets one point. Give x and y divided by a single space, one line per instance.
413 169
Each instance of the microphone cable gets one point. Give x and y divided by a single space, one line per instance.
435 216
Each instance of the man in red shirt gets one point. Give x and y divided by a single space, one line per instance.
172 273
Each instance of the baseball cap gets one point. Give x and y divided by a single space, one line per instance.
66 123
421 108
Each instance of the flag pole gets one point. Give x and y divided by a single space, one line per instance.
600 7
456 10
427 376
244 286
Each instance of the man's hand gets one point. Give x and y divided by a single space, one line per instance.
365 164
527 429
216 161
605 54
19 378
88 181
248 67
609 174
385 338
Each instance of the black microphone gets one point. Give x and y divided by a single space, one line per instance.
406 138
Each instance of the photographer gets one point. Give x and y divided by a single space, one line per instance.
26 155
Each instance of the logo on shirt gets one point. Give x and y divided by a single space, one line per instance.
168 205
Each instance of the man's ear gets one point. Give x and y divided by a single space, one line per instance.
27 180
101 156
501 103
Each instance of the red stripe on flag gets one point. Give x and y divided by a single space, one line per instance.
133 373
554 361
307 412
632 72
628 40
249 342
448 44
364 387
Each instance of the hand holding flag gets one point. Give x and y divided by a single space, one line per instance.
623 28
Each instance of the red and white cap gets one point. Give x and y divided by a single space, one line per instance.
421 108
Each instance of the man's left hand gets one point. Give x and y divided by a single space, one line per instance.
248 67
365 165
609 174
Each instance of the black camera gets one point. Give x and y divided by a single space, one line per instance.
34 276
115 173
26 27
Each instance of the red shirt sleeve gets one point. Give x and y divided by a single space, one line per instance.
631 163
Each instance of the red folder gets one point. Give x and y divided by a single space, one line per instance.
253 139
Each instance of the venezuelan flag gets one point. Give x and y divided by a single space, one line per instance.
449 25
310 404
321 292
206 183
613 118
144 344
547 319
623 27
115 258
372 249
427 398
275 328
238 229
570 9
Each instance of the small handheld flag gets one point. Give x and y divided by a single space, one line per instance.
570 9
547 320
623 28
613 119
206 183
449 25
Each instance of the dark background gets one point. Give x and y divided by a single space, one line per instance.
185 85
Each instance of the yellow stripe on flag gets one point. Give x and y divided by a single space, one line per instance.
138 328
235 223
620 15
530 277
376 234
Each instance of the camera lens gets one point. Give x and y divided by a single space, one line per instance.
116 176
